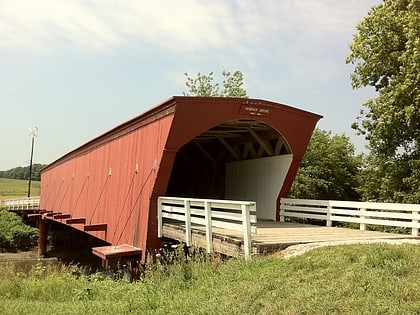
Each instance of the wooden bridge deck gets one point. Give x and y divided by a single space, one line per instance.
273 236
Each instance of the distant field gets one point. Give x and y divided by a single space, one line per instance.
16 188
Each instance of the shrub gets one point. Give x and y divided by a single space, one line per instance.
15 234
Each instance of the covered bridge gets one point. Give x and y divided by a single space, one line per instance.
222 148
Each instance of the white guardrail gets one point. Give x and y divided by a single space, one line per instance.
31 203
387 214
225 214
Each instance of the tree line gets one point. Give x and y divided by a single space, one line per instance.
22 172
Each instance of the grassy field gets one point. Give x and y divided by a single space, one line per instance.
364 279
15 188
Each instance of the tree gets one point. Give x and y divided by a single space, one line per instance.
386 55
328 169
203 85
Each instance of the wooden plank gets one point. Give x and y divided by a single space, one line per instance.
347 212
228 225
376 214
34 216
95 227
229 148
206 154
253 151
51 213
76 221
188 237
215 223
279 144
61 216
304 202
159 216
180 200
304 215
346 219
376 205
222 245
209 233
116 251
247 232
390 215
264 144
245 150
178 217
179 204
304 209
406 224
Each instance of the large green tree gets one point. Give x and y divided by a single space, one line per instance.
328 170
203 85
386 55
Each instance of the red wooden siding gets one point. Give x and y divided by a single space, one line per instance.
110 183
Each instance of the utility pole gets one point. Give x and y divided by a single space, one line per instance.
33 132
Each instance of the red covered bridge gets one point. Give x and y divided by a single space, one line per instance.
194 147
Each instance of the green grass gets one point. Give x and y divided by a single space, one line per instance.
363 279
16 188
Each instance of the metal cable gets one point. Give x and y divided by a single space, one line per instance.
135 203
80 193
122 208
99 199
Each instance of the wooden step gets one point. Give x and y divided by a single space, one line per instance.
76 221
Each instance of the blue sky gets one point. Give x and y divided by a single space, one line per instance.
76 69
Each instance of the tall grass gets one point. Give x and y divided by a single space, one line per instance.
363 279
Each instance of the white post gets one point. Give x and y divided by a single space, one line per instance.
281 210
209 234
246 223
187 222
362 219
159 217
329 222
415 230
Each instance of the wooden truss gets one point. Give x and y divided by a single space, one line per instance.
242 140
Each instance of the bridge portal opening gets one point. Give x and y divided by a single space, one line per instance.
236 160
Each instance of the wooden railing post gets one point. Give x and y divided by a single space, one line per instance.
209 233
362 219
281 215
247 231
415 230
329 208
188 238
159 217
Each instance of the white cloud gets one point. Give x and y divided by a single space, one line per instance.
182 26
103 24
